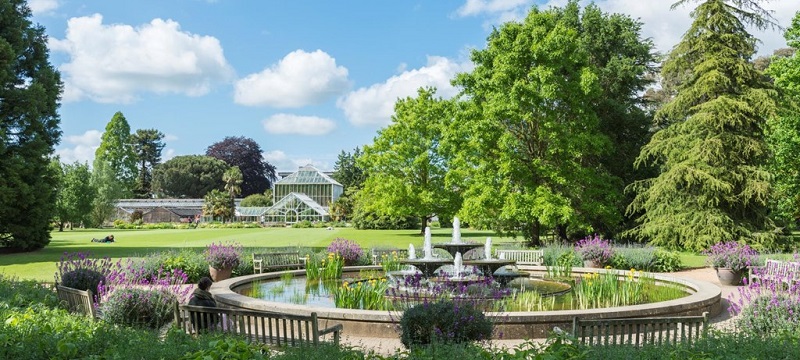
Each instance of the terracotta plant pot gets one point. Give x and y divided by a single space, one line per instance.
219 274
592 264
729 277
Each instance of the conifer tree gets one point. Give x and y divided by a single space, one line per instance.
712 184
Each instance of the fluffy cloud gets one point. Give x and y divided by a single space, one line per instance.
42 6
299 79
374 105
283 162
299 125
114 63
664 26
82 147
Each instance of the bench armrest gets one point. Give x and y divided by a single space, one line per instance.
336 330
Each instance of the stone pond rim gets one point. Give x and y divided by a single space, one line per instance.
703 296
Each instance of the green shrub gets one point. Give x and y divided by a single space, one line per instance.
229 348
666 261
16 293
148 308
305 224
443 322
640 258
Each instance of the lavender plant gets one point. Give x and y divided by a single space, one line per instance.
768 307
81 271
731 255
137 307
223 255
443 322
348 250
595 249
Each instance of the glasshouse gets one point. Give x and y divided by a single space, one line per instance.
304 195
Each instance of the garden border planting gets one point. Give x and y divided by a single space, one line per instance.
703 297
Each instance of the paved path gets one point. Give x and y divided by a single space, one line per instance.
389 346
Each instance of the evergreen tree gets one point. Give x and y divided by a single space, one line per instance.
712 184
29 130
117 153
147 144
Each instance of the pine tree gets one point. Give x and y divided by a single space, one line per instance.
712 185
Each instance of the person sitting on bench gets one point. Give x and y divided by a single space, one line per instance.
201 297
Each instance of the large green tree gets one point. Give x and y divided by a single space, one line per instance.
784 130
712 184
75 194
29 130
347 172
406 169
218 205
117 153
189 176
147 144
233 181
528 140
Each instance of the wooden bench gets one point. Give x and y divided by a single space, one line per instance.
640 331
379 254
77 301
523 257
773 271
258 326
277 261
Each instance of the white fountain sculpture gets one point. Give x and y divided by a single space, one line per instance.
412 253
427 248
487 249
456 231
458 266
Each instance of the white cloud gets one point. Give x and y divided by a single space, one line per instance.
284 162
82 147
299 125
374 105
168 154
113 63
42 6
299 79
170 137
664 26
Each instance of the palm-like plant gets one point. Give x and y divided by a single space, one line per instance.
233 181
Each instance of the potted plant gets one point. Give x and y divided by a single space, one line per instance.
222 258
730 259
596 252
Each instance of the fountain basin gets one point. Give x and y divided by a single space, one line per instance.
703 296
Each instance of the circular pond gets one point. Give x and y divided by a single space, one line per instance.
702 297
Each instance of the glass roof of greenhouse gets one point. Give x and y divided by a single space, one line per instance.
287 202
307 175
251 211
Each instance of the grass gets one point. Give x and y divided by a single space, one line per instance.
41 265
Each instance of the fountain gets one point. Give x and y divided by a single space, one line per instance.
428 264
456 245
412 253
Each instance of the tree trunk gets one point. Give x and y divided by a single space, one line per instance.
562 232
532 231
424 222
60 226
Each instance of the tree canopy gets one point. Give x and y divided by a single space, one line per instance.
712 184
189 176
30 88
75 194
257 173
147 144
117 152
406 169
527 142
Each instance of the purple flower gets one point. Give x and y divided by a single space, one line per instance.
220 256
595 249
348 250
731 255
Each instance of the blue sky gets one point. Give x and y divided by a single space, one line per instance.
305 79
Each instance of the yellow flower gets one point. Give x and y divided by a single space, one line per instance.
608 266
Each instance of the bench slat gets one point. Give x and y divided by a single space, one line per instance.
640 331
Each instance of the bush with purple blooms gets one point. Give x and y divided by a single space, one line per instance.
444 321
731 255
347 250
81 271
595 249
223 255
147 308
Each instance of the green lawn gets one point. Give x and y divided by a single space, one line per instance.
41 265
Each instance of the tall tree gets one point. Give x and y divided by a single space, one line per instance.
147 144
189 176
233 181
406 170
257 173
75 194
784 130
527 142
346 170
108 189
218 205
117 152
712 184
29 130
